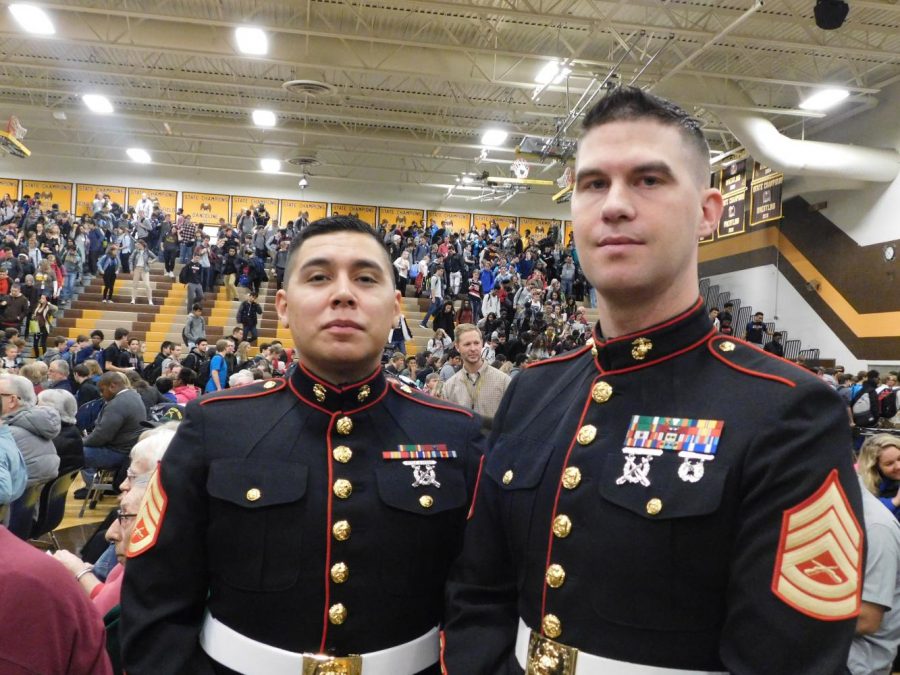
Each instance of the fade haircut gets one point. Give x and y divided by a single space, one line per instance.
325 226
628 104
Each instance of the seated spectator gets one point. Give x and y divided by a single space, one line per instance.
434 385
186 389
119 424
13 472
59 631
32 427
878 626
165 385
241 378
151 396
68 443
439 343
58 376
86 388
451 365
34 372
879 469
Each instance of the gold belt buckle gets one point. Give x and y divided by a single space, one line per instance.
546 657
318 664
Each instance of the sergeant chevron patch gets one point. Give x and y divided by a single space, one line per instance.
149 518
817 570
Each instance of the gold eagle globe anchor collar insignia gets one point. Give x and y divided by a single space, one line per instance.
344 399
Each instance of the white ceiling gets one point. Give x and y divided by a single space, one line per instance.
415 82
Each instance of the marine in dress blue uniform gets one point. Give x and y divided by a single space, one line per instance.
667 500
298 526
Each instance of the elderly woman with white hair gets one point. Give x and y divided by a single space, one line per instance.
32 427
69 444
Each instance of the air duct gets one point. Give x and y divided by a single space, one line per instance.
768 145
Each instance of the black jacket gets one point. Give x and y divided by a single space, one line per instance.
297 496
70 448
594 525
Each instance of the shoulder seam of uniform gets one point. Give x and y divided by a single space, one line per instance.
236 394
561 357
396 387
742 369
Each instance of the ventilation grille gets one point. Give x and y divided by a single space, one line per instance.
308 88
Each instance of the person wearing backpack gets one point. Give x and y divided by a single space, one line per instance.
864 404
887 397
195 326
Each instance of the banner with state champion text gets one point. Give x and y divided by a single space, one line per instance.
365 213
10 186
86 192
49 192
293 209
206 207
166 199
450 221
400 216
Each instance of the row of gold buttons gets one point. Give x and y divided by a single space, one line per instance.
342 489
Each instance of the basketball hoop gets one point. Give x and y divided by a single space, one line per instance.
10 140
15 129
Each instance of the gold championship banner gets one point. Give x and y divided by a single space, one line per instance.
293 209
9 187
765 199
401 217
49 192
240 204
733 221
482 221
451 221
536 228
568 233
84 197
167 200
709 239
205 208
367 214
733 177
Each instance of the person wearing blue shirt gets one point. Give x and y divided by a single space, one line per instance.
218 367
13 474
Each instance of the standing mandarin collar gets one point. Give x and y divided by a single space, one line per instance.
655 343
330 398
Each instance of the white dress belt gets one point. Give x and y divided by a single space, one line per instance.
238 652
588 664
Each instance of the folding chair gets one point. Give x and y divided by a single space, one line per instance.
102 483
52 507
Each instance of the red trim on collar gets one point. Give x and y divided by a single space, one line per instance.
396 387
681 351
649 329
234 397
562 357
367 405
553 513
475 492
747 371
336 389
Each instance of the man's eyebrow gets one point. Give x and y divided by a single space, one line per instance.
646 167
359 263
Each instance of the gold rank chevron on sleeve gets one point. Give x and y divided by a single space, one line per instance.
817 570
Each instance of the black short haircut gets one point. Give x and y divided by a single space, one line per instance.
624 104
325 226
98 333
121 332
166 344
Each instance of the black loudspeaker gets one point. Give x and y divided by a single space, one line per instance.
831 14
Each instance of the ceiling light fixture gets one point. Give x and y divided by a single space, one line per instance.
493 137
270 165
552 73
823 99
32 19
304 181
251 40
98 104
139 155
264 118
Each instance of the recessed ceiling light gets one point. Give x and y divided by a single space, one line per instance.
270 165
264 118
32 19
98 104
493 137
252 40
552 73
139 155
824 99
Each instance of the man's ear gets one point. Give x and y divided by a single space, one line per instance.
711 205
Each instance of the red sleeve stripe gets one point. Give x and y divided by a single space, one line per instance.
265 392
475 493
